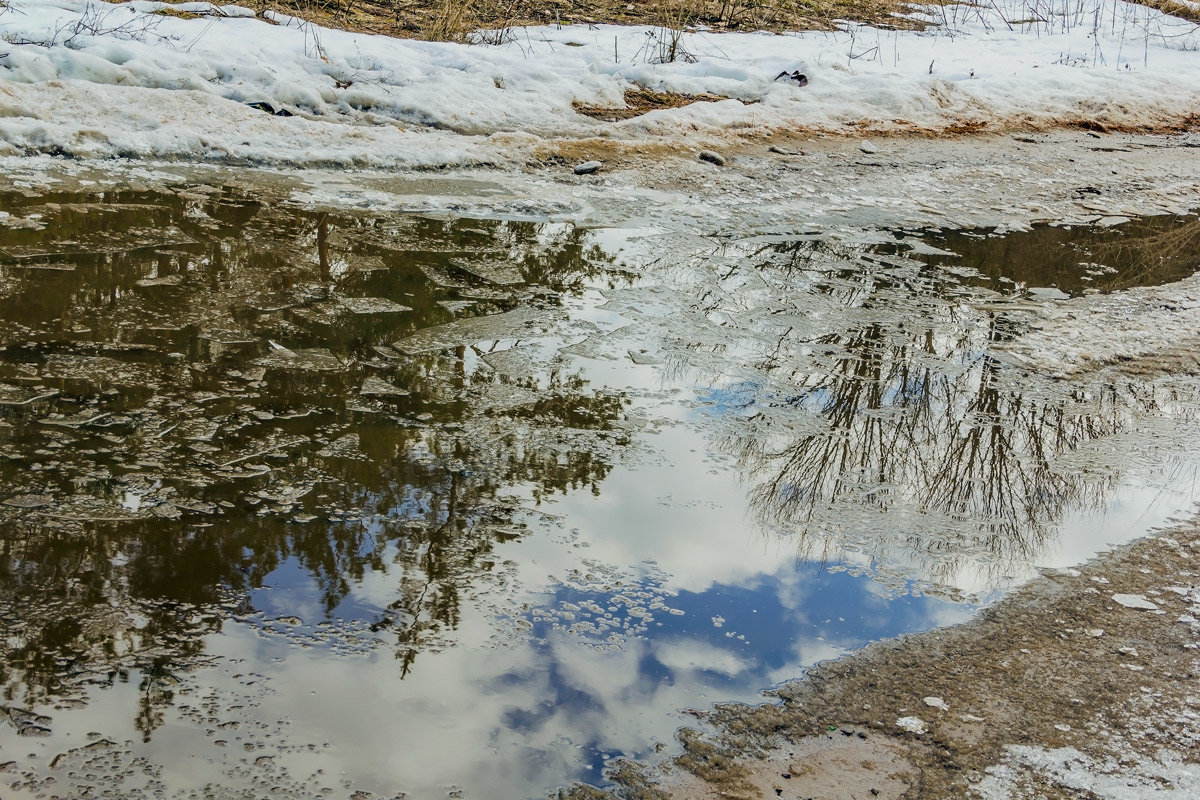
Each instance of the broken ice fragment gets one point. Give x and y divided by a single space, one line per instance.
517 324
311 360
29 501
937 702
371 305
501 273
23 396
380 387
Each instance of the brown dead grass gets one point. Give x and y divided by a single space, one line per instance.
1173 8
641 101
454 19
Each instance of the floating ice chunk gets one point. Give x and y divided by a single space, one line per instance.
380 387
132 501
371 305
1048 293
521 323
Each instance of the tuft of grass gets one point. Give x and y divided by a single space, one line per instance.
1190 13
452 21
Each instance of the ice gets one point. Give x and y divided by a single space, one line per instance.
371 306
308 360
380 387
14 396
521 323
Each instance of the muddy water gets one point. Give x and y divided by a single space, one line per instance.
324 502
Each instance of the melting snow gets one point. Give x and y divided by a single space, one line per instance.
1134 601
96 79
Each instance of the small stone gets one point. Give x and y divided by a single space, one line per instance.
712 157
937 702
588 167
783 151
1095 633
867 147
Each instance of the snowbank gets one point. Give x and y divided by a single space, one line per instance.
97 79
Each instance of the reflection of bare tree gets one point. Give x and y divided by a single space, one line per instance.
907 414
1148 251
238 380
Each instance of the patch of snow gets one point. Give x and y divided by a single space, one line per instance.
95 79
937 702
1138 601
1165 777
912 725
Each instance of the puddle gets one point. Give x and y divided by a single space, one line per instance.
1056 260
387 505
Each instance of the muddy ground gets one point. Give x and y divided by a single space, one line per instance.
1082 684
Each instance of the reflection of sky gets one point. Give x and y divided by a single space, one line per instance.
516 717
514 703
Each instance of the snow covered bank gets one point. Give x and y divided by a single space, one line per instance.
96 79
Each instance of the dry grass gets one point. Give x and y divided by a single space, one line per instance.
640 101
447 20
1190 13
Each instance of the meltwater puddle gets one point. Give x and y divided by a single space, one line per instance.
302 503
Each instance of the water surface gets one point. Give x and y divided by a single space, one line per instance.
302 501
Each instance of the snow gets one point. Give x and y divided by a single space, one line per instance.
95 79
1166 777
912 725
1134 601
